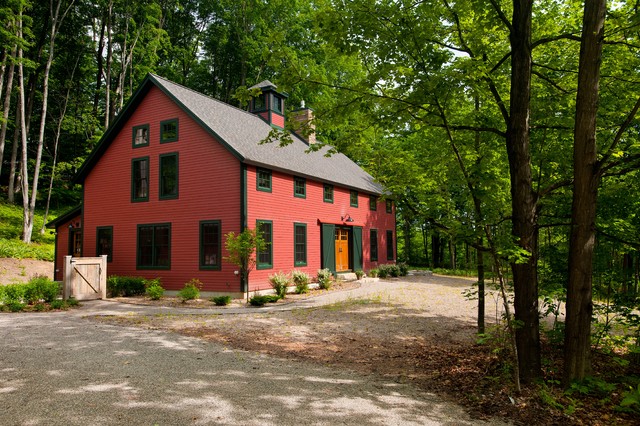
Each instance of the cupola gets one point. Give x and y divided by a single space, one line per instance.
269 105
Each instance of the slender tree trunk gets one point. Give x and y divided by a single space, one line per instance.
11 193
107 79
99 66
7 105
481 301
523 198
56 19
24 173
586 174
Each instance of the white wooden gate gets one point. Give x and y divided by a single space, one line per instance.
85 278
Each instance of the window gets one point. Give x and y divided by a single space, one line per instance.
373 244
140 135
140 179
389 205
104 241
265 256
353 198
263 180
373 202
300 243
169 130
154 246
210 243
259 103
277 104
300 187
390 245
328 193
169 176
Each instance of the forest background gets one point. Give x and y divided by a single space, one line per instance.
505 131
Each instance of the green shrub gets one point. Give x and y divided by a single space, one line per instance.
374 273
14 306
155 292
191 290
1 293
221 300
14 293
404 269
72 301
41 288
359 274
324 279
383 272
301 281
59 304
125 286
280 283
39 307
261 300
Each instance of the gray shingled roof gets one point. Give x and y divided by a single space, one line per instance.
242 132
263 83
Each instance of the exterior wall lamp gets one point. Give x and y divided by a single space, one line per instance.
346 218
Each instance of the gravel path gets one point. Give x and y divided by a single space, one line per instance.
62 369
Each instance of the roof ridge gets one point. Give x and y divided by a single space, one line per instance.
156 76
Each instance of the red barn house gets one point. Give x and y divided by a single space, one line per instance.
178 170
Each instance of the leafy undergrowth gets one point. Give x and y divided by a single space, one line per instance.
11 246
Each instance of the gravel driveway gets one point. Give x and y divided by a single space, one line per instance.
62 369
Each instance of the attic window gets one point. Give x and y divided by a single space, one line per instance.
277 104
259 103
169 130
140 135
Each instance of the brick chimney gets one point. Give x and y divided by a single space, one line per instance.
303 124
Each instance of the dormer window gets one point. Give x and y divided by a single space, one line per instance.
259 103
277 104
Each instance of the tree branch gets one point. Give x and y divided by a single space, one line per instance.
616 140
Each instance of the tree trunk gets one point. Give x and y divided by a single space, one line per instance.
586 174
523 198
99 65
7 105
481 302
23 138
107 79
407 240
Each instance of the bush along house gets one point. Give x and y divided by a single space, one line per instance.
178 170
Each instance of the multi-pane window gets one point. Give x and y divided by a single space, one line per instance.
300 187
169 130
389 205
277 104
300 243
259 103
373 202
140 179
263 178
265 256
373 244
141 135
104 242
353 198
328 193
169 176
154 246
210 243
390 245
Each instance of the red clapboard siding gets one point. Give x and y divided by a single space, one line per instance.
209 189
284 209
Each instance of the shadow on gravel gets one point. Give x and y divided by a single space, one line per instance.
61 370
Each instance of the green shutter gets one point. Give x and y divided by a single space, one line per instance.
329 247
357 248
